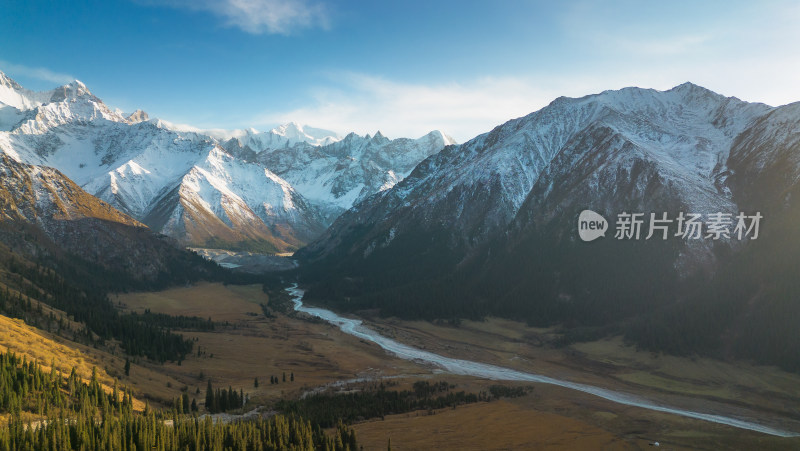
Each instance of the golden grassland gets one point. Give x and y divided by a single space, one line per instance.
552 417
734 388
49 350
206 300
608 362
53 348
253 346
486 426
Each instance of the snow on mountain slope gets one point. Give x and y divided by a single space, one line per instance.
203 185
14 95
45 216
286 135
473 191
134 164
41 195
248 199
341 174
126 165
687 127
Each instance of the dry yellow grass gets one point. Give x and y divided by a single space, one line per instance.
610 363
551 418
258 347
498 425
47 350
214 300
697 376
147 381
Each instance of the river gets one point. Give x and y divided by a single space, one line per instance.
469 368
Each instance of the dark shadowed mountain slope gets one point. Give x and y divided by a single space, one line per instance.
490 227
45 217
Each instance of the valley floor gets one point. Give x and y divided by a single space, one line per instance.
317 354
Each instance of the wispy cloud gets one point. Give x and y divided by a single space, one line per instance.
39 73
259 16
366 103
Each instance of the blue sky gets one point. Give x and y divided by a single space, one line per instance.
402 67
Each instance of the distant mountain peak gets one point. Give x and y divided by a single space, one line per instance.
288 128
138 116
9 82
72 91
379 138
444 137
280 186
294 133
689 88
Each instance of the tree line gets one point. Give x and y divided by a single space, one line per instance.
72 414
378 401
222 400
147 335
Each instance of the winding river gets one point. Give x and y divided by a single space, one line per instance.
469 368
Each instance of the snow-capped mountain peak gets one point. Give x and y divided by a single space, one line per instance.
9 84
138 116
295 133
71 91
341 174
379 138
12 94
572 150
225 187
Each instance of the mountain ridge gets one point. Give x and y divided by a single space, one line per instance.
140 164
490 227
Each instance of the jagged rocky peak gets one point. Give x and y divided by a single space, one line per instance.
681 138
275 188
8 82
499 216
379 138
138 116
71 91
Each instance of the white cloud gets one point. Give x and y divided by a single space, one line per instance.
39 73
757 60
260 16
366 104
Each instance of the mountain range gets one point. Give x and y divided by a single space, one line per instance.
490 227
428 228
230 189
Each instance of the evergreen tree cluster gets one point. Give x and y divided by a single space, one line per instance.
222 400
26 387
74 415
502 391
276 380
181 405
327 409
127 431
181 322
146 335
